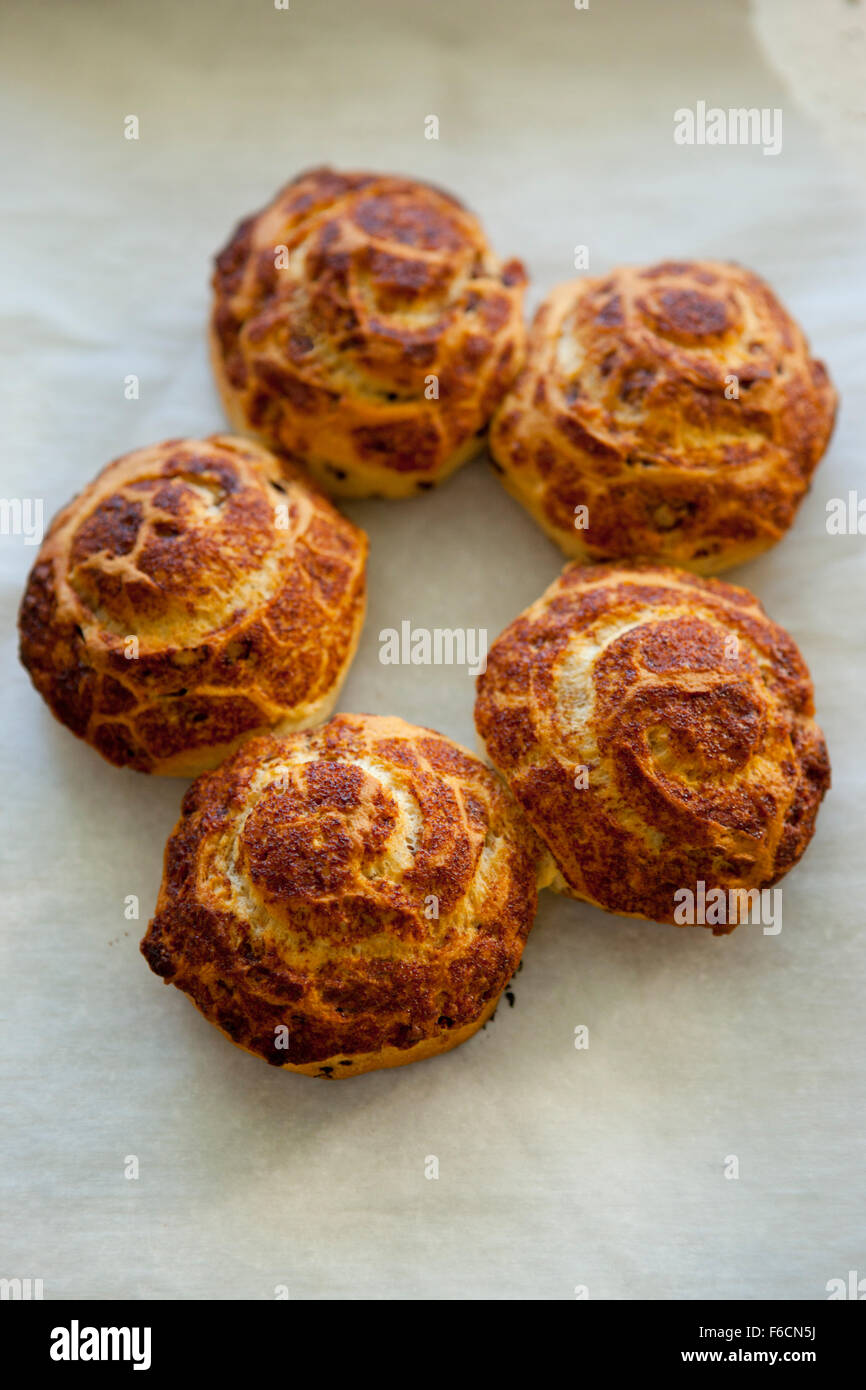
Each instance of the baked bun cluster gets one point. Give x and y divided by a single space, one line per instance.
671 413
189 596
362 325
346 899
346 896
657 730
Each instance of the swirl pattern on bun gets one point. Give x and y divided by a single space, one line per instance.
671 413
362 325
191 595
657 730
345 899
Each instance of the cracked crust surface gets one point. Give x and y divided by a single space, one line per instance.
621 410
657 730
191 595
334 309
360 893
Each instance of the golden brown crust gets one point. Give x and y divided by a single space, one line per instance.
621 409
384 283
243 589
302 886
657 730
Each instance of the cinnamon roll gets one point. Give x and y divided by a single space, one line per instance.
670 413
345 899
191 595
657 730
363 327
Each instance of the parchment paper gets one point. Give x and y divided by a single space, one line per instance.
558 1168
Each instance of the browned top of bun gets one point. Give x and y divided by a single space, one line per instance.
691 713
622 408
301 881
244 615
382 283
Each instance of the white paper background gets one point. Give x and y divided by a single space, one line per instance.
558 1168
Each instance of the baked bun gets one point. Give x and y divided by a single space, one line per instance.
337 310
657 730
301 886
619 438
190 595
